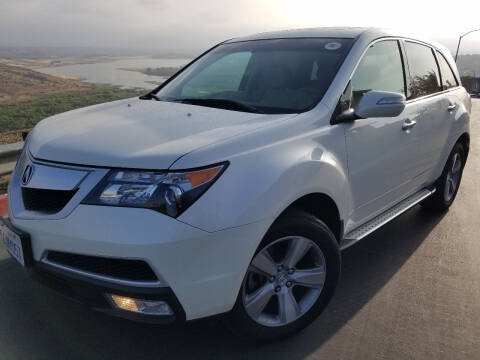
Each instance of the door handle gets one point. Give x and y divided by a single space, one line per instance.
408 124
451 107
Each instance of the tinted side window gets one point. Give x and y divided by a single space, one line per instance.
380 69
424 76
448 78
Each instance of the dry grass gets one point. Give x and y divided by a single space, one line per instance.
9 137
4 183
19 83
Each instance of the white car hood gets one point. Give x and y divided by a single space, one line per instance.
133 133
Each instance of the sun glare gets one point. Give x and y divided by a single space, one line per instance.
426 19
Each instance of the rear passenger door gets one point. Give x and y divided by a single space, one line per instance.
382 152
453 93
428 105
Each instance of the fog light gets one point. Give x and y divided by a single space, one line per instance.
146 307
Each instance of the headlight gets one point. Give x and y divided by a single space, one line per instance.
168 192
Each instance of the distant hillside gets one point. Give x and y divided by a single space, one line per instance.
53 52
164 72
28 96
18 83
469 64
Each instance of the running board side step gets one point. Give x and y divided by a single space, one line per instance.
370 226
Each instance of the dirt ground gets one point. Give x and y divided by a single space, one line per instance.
11 136
19 83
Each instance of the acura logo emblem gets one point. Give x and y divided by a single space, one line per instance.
27 174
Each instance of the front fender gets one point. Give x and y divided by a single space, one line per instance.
264 180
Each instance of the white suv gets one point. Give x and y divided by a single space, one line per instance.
233 187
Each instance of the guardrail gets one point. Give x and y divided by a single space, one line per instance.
9 154
8 157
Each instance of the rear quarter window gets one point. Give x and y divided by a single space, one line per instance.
448 78
424 76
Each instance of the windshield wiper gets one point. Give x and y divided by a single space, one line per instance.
149 96
219 103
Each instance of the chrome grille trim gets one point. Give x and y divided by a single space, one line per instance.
54 177
83 178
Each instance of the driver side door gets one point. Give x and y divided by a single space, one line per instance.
382 152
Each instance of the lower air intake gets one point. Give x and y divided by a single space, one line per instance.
122 269
46 201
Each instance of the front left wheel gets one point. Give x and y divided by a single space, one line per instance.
290 279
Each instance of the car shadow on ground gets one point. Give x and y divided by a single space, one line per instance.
36 323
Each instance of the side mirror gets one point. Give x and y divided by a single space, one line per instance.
380 104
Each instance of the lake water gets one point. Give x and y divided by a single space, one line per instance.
109 73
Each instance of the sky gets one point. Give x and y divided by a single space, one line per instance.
158 25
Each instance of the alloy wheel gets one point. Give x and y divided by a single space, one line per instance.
283 281
453 177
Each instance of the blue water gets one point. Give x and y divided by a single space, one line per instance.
109 73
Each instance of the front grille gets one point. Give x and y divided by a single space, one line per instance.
122 269
47 201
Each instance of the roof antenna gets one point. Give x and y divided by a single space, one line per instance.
460 40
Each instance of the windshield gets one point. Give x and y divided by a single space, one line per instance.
266 76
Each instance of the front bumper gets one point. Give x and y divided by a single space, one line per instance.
203 270
92 292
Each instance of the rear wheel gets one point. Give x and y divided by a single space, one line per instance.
290 279
449 182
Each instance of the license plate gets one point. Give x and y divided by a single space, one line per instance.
15 245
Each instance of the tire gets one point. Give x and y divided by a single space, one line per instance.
296 230
448 183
